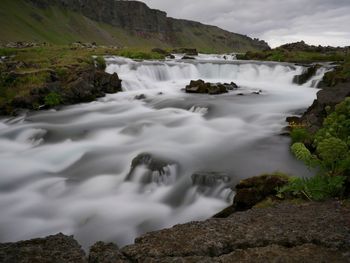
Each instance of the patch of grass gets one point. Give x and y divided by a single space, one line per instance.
282 55
53 99
100 63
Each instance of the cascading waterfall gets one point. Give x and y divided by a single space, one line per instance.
116 168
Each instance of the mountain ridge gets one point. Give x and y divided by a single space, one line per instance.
112 22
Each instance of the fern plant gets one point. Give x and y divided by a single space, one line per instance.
317 188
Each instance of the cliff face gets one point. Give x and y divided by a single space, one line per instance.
119 21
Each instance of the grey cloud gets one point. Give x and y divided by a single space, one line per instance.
322 22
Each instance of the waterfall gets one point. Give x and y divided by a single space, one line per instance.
143 75
118 167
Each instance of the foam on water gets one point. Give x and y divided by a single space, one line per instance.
68 170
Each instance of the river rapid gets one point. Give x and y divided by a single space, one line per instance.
68 170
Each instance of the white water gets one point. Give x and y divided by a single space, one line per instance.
67 170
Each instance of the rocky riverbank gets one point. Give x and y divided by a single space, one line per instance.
33 86
286 232
258 227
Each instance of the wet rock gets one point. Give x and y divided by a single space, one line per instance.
153 169
257 92
140 97
199 86
210 179
213 184
253 190
170 56
187 57
106 253
52 249
285 233
306 75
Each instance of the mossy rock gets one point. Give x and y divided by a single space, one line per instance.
251 191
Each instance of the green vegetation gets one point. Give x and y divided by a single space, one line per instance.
300 134
28 69
317 188
282 55
328 151
100 63
22 21
340 74
52 99
140 54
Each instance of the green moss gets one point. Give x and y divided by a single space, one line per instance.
266 203
53 99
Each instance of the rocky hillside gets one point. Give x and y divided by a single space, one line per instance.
111 22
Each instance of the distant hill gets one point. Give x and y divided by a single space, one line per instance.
112 22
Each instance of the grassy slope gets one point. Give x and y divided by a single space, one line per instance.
21 21
204 38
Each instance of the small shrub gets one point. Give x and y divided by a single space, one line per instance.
332 151
300 135
317 188
100 63
53 99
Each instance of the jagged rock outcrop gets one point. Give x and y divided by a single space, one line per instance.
80 85
327 97
200 86
139 20
302 46
148 168
253 190
306 75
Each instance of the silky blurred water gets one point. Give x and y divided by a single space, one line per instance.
66 170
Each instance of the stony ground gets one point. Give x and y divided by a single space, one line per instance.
309 232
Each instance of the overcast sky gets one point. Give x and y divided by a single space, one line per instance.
324 22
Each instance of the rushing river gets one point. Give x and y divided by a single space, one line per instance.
68 170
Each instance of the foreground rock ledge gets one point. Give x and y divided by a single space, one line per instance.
310 232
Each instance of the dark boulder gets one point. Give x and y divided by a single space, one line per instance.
187 57
140 97
52 249
306 75
157 169
199 86
251 191
89 85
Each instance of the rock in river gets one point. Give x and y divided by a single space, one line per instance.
200 86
